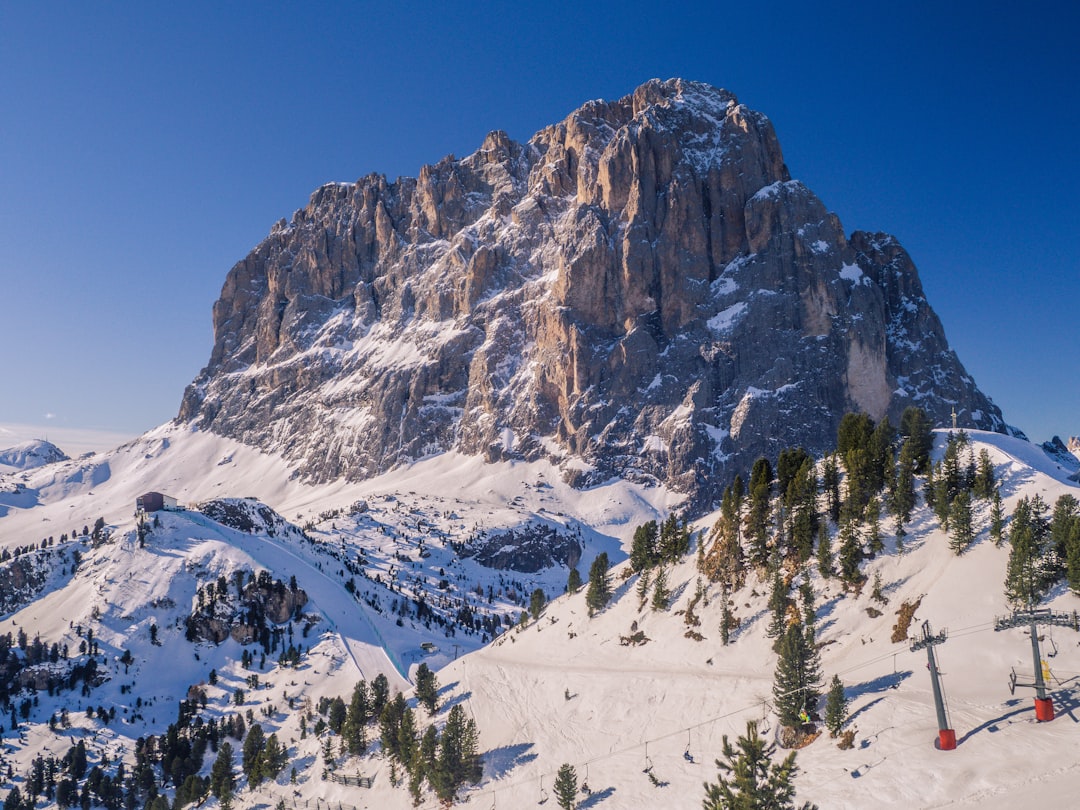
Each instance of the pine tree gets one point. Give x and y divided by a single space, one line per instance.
253 746
983 484
380 693
797 680
835 707
221 774
573 581
757 516
851 552
1066 510
748 779
661 594
824 551
458 760
915 428
725 560
725 615
674 540
778 606
643 549
961 534
408 741
427 688
803 506
1072 558
356 718
272 759
872 518
390 726
1026 579
599 591
566 786
997 519
830 483
536 603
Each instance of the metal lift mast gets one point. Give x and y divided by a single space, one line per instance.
946 735
1032 618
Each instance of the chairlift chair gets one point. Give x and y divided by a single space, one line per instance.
686 754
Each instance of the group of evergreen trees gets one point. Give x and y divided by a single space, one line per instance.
1044 548
443 762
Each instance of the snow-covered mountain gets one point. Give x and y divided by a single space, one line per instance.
640 290
26 455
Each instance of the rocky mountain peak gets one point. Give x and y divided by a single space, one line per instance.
640 289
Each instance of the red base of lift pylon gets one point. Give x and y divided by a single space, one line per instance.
1044 710
946 739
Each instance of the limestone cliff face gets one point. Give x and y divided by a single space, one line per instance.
639 290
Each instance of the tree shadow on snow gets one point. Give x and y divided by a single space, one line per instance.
454 701
854 715
739 631
498 762
879 684
595 798
448 688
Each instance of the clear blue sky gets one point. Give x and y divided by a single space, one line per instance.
146 147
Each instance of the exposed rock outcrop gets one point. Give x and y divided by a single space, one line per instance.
639 290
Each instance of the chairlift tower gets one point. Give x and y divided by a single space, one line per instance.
929 640
1033 617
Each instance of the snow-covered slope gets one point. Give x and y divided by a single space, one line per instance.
563 688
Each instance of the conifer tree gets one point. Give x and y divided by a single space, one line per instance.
253 746
674 539
725 615
830 484
356 718
824 551
778 606
997 518
221 774
573 581
271 759
1065 515
915 428
427 688
797 680
872 518
757 517
566 786
748 779
536 603
835 707
725 561
851 553
380 693
408 742
961 534
643 549
661 594
459 760
599 591
880 454
1072 558
803 506
1026 579
983 483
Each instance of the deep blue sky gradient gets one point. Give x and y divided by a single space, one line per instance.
145 148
